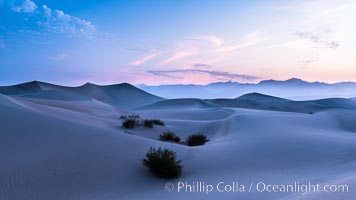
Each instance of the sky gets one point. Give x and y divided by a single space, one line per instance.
157 42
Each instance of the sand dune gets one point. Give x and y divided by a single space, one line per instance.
21 88
123 96
256 101
66 143
55 95
265 102
180 103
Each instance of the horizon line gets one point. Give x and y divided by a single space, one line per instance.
143 84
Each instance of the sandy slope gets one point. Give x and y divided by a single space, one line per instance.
123 96
70 147
256 101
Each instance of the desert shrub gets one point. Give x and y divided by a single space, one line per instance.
158 122
169 137
129 123
162 163
123 117
132 116
196 140
148 123
133 120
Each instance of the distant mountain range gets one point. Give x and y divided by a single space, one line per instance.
293 88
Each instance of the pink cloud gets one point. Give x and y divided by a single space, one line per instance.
188 78
146 58
250 40
178 55
182 50
214 40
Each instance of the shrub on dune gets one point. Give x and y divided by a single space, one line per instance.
158 122
134 120
169 137
163 163
197 140
148 123
129 123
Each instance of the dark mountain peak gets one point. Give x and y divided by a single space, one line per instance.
268 81
88 84
289 81
29 83
32 82
121 85
227 83
295 80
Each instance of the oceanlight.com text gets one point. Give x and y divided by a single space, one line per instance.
261 187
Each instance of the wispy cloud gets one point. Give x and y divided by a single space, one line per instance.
62 56
54 21
146 58
318 38
59 21
290 44
179 73
137 49
214 40
306 60
168 74
181 53
249 40
26 6
191 48
201 65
